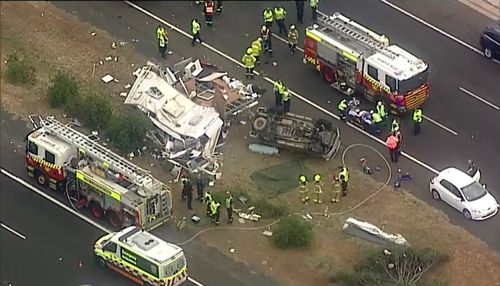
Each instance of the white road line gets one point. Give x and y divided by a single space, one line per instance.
479 98
16 233
429 25
53 200
440 125
65 207
311 103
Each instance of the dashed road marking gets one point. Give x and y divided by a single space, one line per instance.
479 98
13 231
302 98
65 207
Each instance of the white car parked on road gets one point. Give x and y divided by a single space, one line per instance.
464 193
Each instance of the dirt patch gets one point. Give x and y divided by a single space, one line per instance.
59 41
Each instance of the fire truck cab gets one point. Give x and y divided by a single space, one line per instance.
354 59
45 156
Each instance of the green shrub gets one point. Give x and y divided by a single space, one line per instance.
292 232
128 132
401 266
20 70
63 89
96 111
269 210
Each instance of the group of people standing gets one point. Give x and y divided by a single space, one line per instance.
204 196
339 185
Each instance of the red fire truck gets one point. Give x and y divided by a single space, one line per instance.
354 59
93 176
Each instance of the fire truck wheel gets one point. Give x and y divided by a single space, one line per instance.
114 220
41 179
260 124
328 74
96 210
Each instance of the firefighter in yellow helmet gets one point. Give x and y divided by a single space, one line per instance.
293 38
257 49
303 191
249 62
318 189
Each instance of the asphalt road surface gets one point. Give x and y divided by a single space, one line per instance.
57 248
452 66
53 233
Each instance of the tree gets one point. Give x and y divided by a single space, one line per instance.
63 90
128 132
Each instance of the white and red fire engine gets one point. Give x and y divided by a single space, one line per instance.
93 176
353 58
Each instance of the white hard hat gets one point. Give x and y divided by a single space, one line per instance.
379 102
371 111
292 27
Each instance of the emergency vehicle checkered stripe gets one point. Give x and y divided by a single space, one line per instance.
156 282
44 163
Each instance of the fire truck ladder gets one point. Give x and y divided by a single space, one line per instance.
355 33
99 152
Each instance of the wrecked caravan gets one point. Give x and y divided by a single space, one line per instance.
192 104
188 132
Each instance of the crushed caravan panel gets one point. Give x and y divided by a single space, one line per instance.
296 132
206 85
189 132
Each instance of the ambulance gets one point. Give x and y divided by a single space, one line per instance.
142 257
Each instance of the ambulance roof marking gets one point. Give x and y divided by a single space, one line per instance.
156 249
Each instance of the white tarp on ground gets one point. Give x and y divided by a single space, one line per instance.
372 233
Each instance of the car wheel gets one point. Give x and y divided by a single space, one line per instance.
487 53
435 195
101 262
467 215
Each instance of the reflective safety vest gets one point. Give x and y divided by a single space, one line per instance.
376 118
381 110
417 115
391 142
394 126
278 86
248 61
195 27
344 173
268 15
161 42
285 95
160 32
342 105
279 13
314 3
293 36
207 198
229 202
214 207
256 47
209 8
265 34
